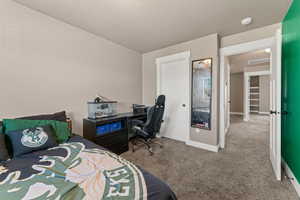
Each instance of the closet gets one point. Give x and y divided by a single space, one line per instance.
254 94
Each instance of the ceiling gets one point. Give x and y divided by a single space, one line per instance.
239 63
146 25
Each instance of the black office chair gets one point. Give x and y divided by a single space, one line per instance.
146 132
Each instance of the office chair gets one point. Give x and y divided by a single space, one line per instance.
146 132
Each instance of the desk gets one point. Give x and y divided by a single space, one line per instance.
116 141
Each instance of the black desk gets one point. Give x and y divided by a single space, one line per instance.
116 141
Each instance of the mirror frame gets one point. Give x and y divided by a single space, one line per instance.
192 88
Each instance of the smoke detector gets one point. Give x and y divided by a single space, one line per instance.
246 21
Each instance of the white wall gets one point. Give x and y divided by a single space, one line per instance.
47 66
249 36
264 90
237 92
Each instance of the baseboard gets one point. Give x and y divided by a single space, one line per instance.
236 113
292 177
226 130
200 145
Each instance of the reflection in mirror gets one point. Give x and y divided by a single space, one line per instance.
201 93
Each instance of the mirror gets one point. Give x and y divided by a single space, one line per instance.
201 93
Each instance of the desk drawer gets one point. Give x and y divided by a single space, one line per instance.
116 148
119 148
116 142
112 138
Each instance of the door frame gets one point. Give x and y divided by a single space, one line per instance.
228 99
247 76
185 56
229 51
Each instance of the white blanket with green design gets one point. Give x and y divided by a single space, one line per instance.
78 173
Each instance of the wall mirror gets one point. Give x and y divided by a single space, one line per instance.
201 93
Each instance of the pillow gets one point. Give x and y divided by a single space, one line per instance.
32 139
59 116
61 129
3 150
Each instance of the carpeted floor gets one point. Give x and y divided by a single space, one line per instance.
242 171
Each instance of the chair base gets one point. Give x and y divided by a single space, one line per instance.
148 144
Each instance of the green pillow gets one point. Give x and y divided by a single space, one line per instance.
61 129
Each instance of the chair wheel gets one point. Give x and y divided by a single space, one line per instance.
150 151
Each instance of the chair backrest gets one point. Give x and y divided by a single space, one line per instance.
155 116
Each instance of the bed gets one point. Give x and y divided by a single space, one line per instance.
78 169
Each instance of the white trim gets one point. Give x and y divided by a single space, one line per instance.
228 51
291 176
222 133
236 113
247 47
200 145
263 113
228 100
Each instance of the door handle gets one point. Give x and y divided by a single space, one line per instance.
183 105
273 112
282 113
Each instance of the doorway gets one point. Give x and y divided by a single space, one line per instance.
173 75
273 45
247 85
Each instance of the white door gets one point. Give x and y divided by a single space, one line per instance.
173 74
275 106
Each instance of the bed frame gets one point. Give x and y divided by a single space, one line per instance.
70 125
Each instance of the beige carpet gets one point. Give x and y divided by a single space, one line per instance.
242 171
